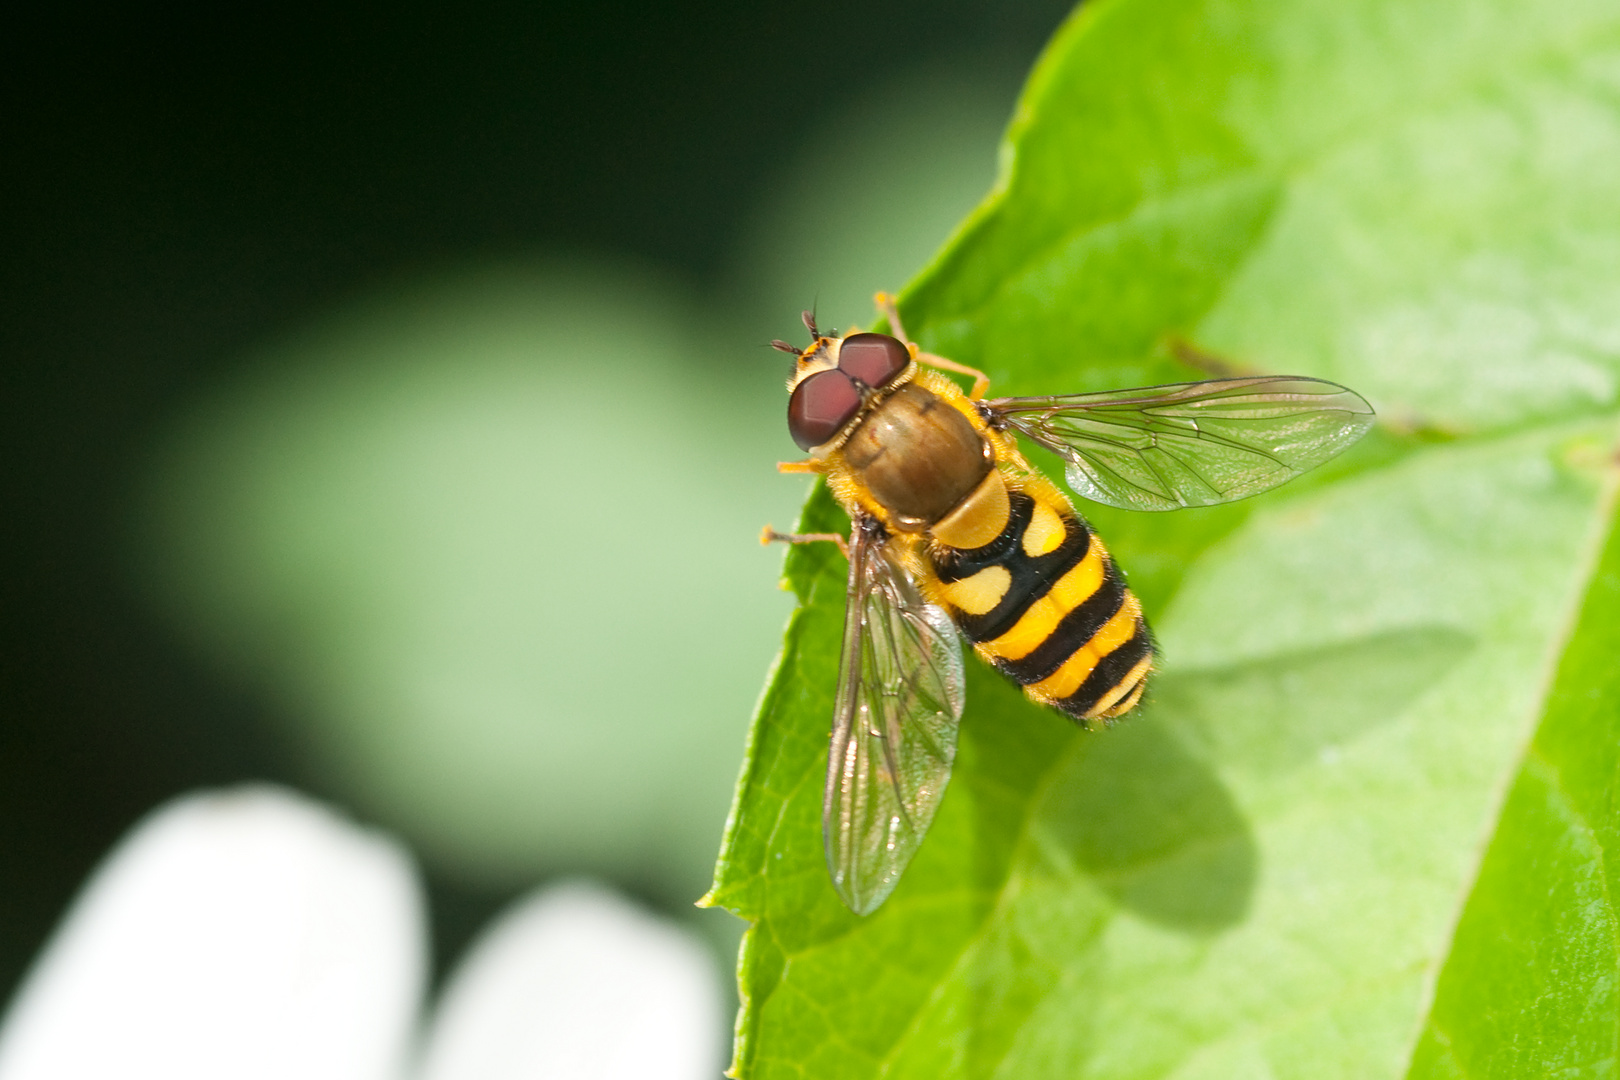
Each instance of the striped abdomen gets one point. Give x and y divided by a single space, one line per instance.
1046 605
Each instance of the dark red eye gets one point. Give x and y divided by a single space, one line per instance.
820 406
875 359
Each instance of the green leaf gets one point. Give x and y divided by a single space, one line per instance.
1360 828
1532 985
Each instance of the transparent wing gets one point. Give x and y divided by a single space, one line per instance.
1191 444
894 725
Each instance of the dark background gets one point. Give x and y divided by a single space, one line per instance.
180 181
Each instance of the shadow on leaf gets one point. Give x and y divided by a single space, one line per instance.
1283 711
1140 810
1153 827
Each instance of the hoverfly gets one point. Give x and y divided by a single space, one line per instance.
954 535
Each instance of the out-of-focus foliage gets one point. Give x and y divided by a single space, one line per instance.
491 535
1387 691
869 197
470 537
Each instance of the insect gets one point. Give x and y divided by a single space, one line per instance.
954 535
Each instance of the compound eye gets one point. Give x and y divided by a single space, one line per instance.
875 359
820 406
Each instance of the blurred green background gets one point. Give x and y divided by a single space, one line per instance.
388 409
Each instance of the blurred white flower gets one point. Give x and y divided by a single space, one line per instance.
257 934
575 982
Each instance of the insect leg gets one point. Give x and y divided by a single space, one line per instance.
768 534
885 305
981 381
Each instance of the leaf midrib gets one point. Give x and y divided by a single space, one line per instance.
1598 532
1537 764
1430 969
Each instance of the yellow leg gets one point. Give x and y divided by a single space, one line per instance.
885 305
768 534
809 465
981 381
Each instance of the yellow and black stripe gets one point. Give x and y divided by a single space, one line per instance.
1045 604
